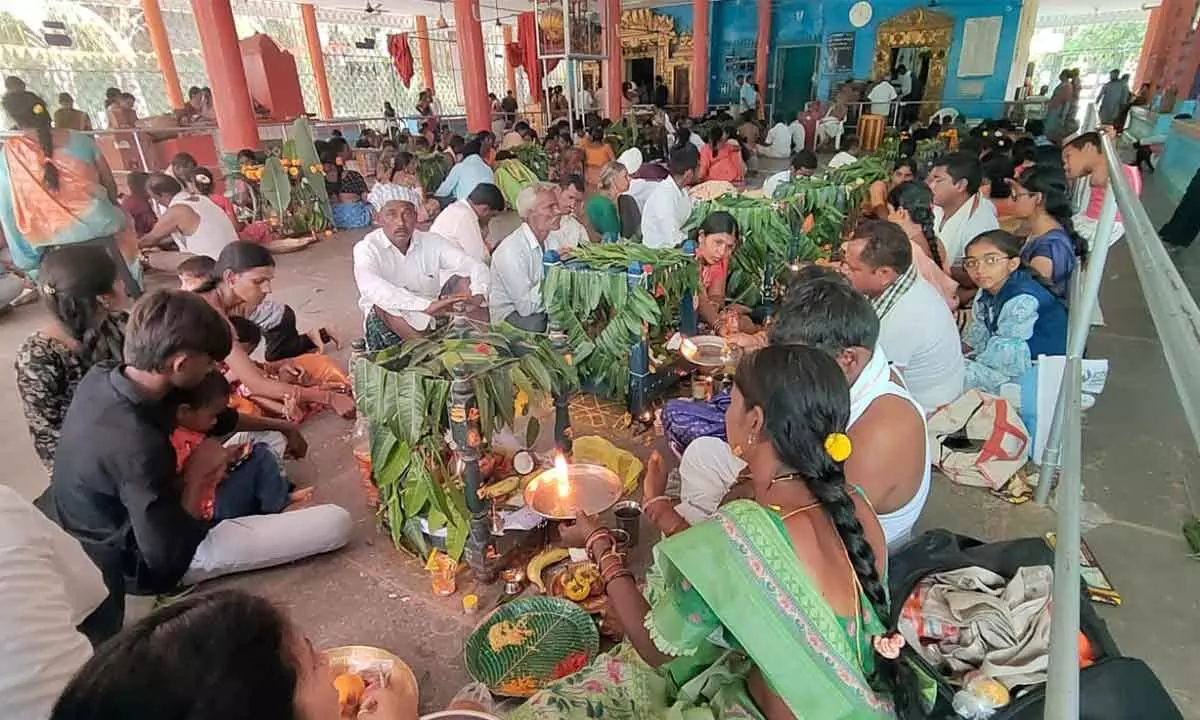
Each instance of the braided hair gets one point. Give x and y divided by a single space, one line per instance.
29 112
916 198
73 279
805 398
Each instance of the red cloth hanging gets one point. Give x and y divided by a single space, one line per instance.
524 54
401 56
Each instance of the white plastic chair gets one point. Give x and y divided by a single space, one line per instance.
946 113
826 128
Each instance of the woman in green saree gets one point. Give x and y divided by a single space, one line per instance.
771 610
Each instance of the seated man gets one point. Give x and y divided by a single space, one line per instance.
916 329
115 486
570 233
668 206
465 222
465 175
846 156
778 143
890 461
407 278
960 213
804 165
517 263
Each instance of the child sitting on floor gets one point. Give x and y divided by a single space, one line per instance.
278 322
310 370
254 483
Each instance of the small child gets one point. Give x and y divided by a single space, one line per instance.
138 204
310 370
195 272
254 483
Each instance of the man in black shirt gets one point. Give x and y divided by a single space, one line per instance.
115 485
661 93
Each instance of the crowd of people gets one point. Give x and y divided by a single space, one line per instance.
166 441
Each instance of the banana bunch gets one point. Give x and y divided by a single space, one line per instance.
501 488
541 561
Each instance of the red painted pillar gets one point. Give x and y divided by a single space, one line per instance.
510 70
700 45
162 51
223 63
474 66
1145 71
316 57
614 65
761 50
424 52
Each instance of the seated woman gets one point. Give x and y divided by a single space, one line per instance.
86 326
512 176
876 204
1016 318
346 190
263 663
206 185
242 281
716 239
721 158
1041 199
597 154
910 206
611 214
772 609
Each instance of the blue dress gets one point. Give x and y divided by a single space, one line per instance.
1010 328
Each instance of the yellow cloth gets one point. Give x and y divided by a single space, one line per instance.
595 450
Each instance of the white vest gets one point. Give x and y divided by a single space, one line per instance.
214 232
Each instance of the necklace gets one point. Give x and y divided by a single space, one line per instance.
796 511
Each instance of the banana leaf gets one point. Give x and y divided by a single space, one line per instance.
275 186
304 147
534 157
432 170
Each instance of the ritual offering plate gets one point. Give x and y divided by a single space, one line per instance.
356 666
706 351
564 491
529 643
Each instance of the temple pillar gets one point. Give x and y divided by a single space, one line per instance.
424 52
614 65
510 70
223 63
701 46
162 51
761 52
308 14
474 65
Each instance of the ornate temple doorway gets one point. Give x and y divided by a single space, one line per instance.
919 39
649 47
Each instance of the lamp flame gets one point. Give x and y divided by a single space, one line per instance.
561 473
688 349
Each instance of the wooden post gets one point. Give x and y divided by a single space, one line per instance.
464 428
563 435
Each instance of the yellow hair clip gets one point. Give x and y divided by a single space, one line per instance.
838 446
38 109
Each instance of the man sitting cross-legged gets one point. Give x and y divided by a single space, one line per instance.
916 329
407 278
890 459
115 486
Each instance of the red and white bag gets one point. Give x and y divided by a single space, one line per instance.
978 440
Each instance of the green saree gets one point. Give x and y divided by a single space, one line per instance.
728 595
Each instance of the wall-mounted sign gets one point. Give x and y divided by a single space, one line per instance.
839 53
860 13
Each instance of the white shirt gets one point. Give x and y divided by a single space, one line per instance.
772 183
584 101
964 226
695 139
799 135
404 284
459 224
570 234
667 208
842 159
214 231
517 272
920 337
905 80
881 97
640 190
48 585
778 143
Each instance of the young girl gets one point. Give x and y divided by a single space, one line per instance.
254 483
721 158
596 154
1016 318
1041 199
715 240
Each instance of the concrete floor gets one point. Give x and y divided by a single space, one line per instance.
1140 465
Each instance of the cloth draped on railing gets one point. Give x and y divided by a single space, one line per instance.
402 58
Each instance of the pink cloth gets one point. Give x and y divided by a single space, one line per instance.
928 269
459 224
1099 192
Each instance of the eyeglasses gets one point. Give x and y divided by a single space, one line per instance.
990 260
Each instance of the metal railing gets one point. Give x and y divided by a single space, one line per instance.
1177 321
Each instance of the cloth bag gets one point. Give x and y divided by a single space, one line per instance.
978 440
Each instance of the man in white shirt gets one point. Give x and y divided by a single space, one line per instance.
48 587
916 329
407 278
585 102
845 157
748 96
799 132
881 97
570 233
517 268
668 206
803 165
778 143
960 213
465 222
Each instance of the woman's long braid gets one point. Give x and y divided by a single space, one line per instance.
924 218
29 112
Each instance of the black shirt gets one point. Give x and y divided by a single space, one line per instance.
115 486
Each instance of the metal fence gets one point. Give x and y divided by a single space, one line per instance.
1177 321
